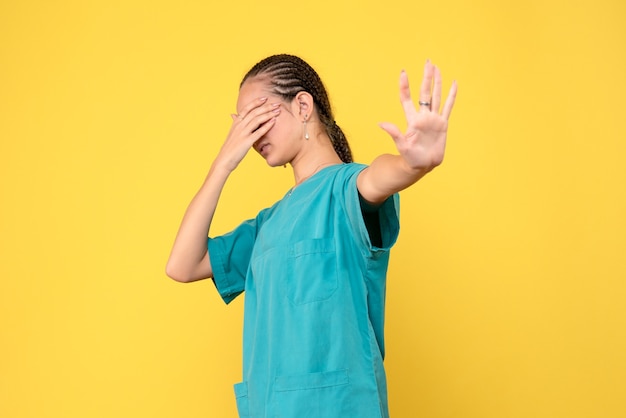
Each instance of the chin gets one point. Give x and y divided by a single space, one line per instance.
275 163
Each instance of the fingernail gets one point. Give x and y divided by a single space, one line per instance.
263 99
275 104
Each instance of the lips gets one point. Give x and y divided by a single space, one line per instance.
262 147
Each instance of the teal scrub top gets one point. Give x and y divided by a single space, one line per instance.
313 341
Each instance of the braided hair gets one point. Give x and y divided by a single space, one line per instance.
290 75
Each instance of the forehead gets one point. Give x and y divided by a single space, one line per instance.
252 89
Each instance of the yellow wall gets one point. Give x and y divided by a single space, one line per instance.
507 286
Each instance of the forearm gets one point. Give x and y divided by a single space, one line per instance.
422 145
189 259
386 175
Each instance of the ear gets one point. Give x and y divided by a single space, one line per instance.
304 105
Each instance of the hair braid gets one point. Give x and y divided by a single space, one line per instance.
289 75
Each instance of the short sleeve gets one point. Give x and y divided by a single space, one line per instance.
230 258
388 212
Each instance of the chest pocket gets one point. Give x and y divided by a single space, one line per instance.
312 271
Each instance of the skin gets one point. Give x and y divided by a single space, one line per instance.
274 128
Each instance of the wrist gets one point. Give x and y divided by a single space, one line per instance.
220 170
223 165
412 171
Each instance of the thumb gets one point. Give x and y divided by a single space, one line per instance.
392 130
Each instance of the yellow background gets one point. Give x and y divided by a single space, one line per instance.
506 288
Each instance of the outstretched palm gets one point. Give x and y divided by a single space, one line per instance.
423 144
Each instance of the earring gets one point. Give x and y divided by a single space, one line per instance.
306 132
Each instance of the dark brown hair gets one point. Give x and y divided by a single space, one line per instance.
288 76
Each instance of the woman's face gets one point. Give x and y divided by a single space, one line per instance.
281 143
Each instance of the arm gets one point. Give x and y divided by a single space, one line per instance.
421 148
189 260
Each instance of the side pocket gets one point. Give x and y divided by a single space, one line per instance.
241 397
319 395
311 381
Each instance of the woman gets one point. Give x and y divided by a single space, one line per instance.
313 265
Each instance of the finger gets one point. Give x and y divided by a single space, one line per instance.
261 110
392 130
262 130
256 117
405 94
436 99
251 106
447 107
425 89
235 117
